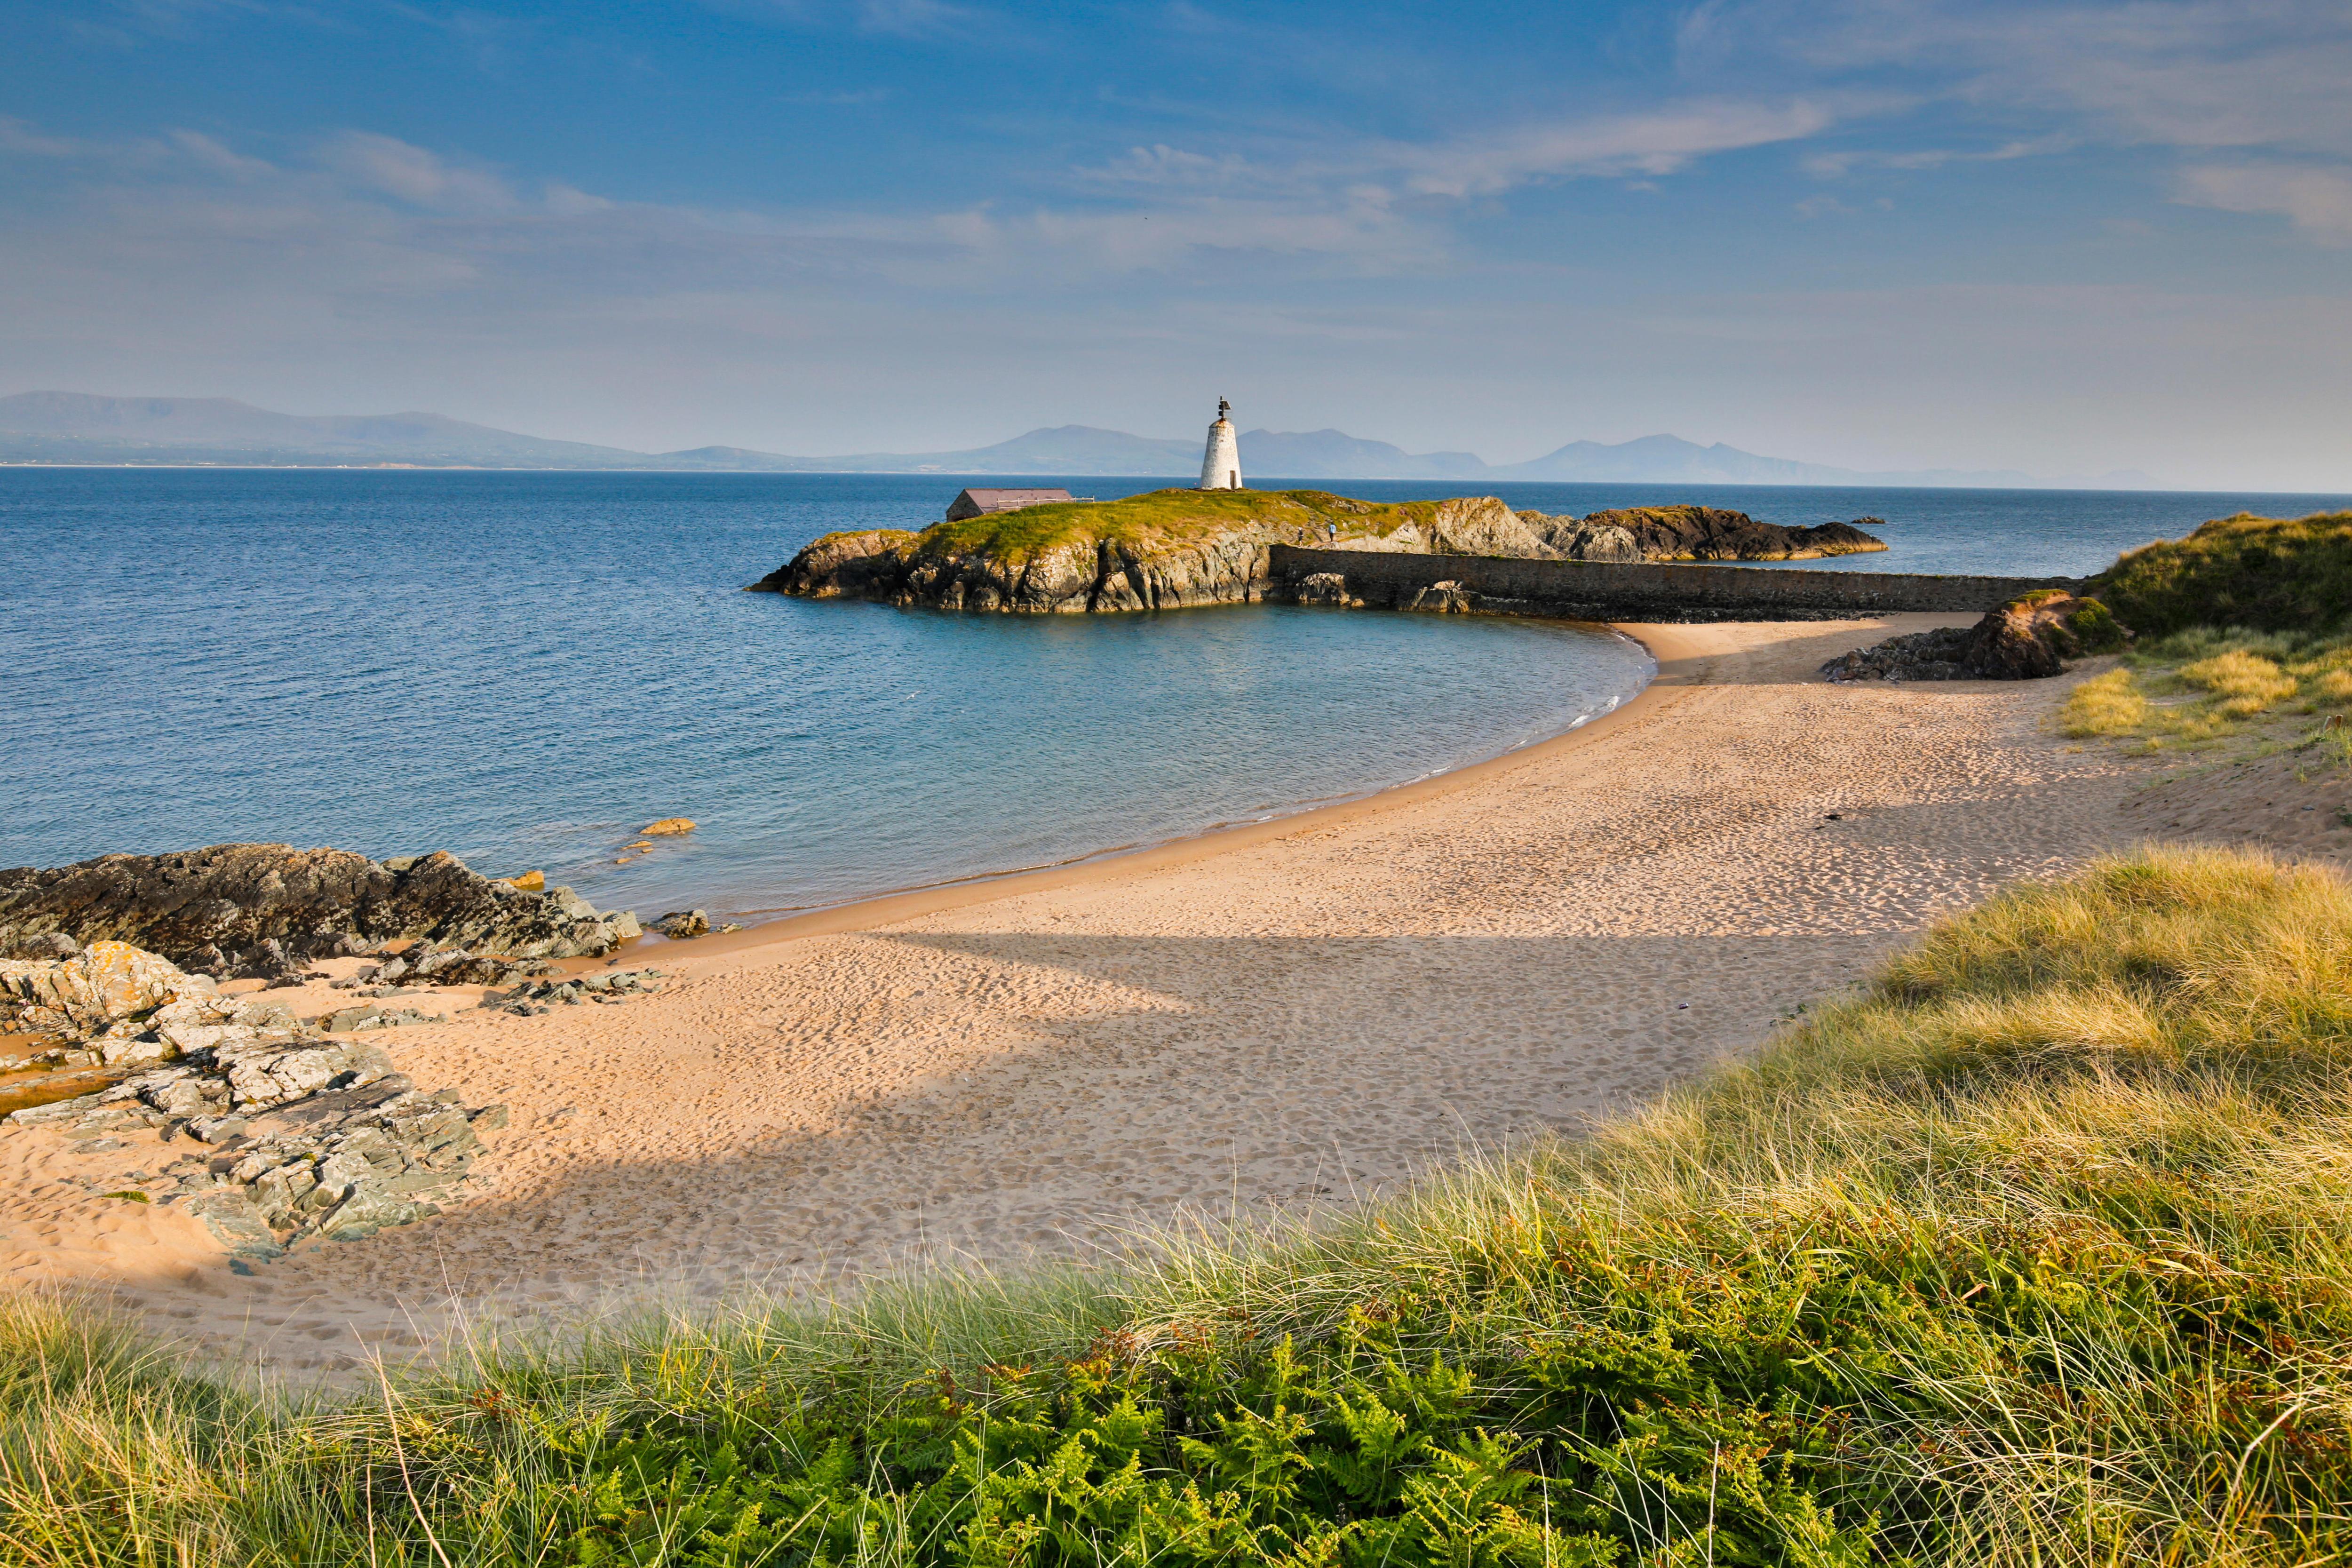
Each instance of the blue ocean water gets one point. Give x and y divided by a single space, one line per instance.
524 667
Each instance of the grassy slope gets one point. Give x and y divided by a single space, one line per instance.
2260 573
2040 1250
1160 520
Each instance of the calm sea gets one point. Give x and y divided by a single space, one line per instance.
524 669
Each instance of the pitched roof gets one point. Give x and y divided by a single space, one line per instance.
981 503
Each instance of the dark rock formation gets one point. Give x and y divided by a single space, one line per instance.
2028 639
261 909
870 565
1694 533
680 924
448 966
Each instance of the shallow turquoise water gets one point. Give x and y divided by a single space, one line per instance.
524 667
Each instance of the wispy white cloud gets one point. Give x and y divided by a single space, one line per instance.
24 141
2315 200
1839 164
1651 142
944 20
2194 74
215 155
410 174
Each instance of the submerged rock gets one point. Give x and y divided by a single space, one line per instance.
2028 638
261 910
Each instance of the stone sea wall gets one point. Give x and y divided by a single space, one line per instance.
1599 591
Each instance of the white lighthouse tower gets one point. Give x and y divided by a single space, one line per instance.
1221 465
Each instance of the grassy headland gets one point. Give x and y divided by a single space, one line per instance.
2245 641
2263 573
2036 1250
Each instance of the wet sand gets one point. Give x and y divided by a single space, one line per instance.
1304 1012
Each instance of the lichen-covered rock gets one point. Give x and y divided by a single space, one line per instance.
264 907
1324 588
98 986
303 1134
2028 638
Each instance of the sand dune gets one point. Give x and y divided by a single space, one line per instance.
1305 1013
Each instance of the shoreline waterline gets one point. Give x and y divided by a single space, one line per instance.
1662 642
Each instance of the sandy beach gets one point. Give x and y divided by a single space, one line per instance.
1305 1012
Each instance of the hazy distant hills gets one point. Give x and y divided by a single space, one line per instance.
77 427
73 426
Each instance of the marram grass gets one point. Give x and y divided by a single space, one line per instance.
2209 685
2036 1251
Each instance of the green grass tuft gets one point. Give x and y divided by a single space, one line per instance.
2036 1250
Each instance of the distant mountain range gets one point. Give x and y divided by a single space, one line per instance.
72 427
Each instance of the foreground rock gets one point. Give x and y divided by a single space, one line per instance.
2028 639
297 1133
261 909
1173 548
542 996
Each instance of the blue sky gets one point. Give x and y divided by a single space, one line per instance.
1885 233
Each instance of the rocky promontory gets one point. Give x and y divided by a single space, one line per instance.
1178 547
259 910
2028 638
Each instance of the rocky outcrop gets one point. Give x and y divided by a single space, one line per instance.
2029 637
1156 551
1480 525
1692 534
261 909
300 1133
859 566
1174 548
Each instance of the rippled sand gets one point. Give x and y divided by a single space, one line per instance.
1302 1014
